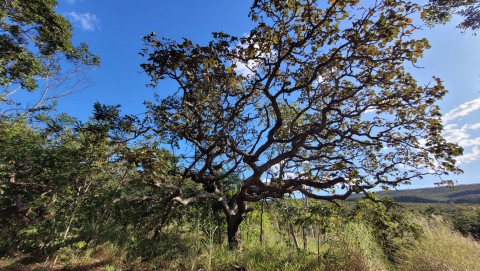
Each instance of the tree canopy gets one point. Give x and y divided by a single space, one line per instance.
316 99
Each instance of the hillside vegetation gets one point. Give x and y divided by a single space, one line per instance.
469 193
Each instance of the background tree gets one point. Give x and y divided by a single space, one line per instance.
36 52
441 11
46 171
63 184
316 95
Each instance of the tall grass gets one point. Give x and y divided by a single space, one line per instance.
440 248
354 248
349 246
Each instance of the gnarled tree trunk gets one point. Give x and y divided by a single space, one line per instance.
233 230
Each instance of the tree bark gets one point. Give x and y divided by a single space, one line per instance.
233 230
295 240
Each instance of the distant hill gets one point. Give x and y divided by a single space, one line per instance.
469 193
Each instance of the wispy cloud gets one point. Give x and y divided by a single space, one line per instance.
466 138
71 1
466 135
454 134
462 110
473 153
86 21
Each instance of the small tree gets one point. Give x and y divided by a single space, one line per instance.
316 100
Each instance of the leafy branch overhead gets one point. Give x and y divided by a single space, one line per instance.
441 11
315 99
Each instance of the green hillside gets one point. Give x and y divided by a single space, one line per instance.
459 194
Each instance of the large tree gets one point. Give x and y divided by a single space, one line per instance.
316 99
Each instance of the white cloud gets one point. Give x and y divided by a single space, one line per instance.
468 135
471 156
475 126
452 134
450 126
86 21
245 69
370 109
470 142
71 1
465 138
249 68
462 110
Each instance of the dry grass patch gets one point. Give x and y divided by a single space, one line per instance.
440 248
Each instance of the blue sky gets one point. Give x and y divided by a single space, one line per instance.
113 30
